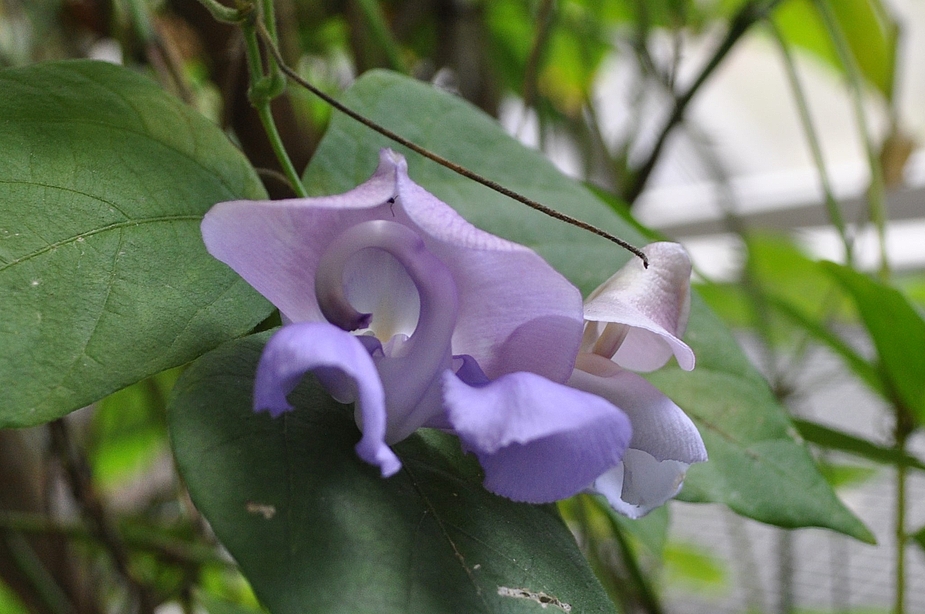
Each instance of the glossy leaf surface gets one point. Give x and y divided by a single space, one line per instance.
104 279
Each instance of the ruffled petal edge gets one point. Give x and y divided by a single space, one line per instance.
344 368
538 441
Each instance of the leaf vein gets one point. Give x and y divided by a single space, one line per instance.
456 553
96 231
67 189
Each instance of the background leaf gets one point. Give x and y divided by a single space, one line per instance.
128 431
898 332
316 529
869 29
104 279
757 466
834 439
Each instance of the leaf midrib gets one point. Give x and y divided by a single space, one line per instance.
96 231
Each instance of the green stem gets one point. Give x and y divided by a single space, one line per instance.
267 11
276 142
647 597
138 13
876 194
544 22
263 89
904 427
252 53
223 13
899 600
381 34
812 138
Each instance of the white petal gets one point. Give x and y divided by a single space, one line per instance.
654 302
665 441
640 483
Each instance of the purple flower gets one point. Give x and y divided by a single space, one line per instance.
635 320
400 306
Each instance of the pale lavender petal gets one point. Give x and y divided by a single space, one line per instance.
343 366
654 303
517 312
665 441
537 441
275 245
660 427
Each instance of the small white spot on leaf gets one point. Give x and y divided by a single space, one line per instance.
541 598
263 509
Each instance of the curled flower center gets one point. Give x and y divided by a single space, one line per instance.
409 366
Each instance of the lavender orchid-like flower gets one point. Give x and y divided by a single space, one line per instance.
634 322
459 330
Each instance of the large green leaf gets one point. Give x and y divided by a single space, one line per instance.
315 529
104 279
758 467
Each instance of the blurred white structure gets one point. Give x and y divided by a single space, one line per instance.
744 125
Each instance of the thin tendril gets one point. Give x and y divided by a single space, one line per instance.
439 159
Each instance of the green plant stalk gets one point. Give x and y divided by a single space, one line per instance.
276 142
904 427
876 194
223 13
375 19
262 90
269 21
812 138
899 598
647 596
544 22
140 21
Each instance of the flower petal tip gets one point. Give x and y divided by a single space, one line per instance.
653 304
379 455
275 410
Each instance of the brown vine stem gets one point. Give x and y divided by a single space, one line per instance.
461 170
